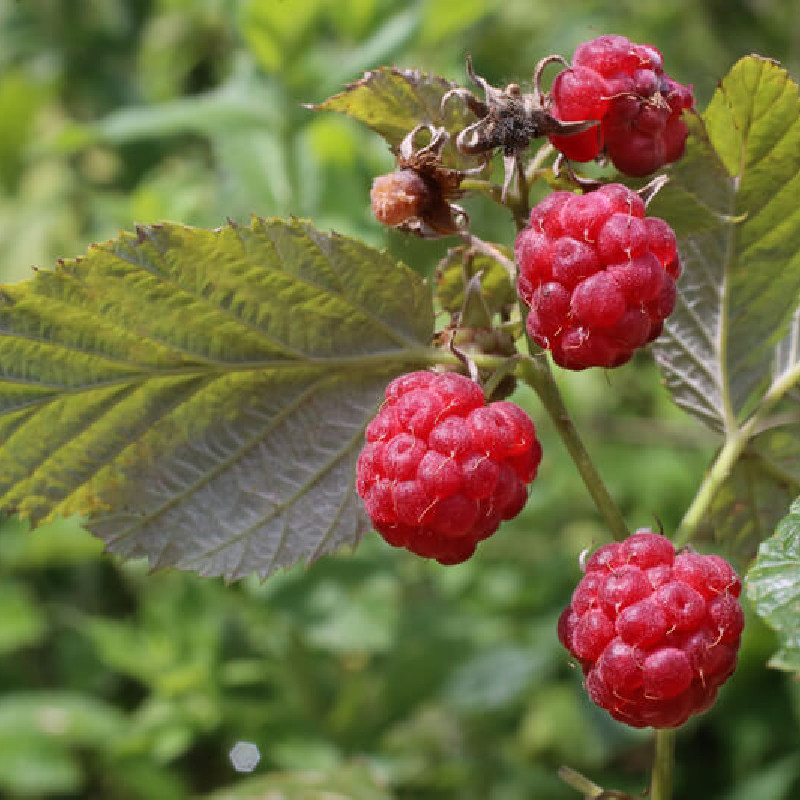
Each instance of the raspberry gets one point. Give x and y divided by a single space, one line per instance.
399 196
639 106
598 276
656 633
442 468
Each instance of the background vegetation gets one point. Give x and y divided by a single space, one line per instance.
373 675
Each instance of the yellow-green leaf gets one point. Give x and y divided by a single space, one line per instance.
741 278
393 101
202 395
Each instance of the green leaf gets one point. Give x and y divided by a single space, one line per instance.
36 766
345 783
244 103
362 619
276 32
392 102
71 717
20 101
742 276
474 687
60 542
496 287
386 43
773 587
21 621
776 779
764 481
202 395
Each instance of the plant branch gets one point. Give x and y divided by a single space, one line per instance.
535 371
663 762
714 478
589 789
491 190
579 782
735 444
492 252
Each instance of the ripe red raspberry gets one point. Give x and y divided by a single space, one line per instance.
441 468
656 633
598 276
639 106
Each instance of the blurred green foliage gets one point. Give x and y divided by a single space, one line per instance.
364 676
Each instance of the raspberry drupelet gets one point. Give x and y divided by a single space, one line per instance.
598 276
442 468
656 633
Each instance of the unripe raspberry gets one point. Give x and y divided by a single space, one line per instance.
399 196
598 276
441 468
656 633
624 86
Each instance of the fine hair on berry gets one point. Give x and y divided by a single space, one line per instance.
639 107
597 274
656 632
441 468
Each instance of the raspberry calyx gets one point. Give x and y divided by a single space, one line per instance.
656 633
442 468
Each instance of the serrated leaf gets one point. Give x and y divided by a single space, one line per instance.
496 287
773 587
201 395
741 277
392 102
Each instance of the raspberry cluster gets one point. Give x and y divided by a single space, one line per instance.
656 633
639 106
598 276
441 468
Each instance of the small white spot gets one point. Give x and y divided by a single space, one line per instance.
245 756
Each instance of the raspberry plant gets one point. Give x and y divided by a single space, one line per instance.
238 400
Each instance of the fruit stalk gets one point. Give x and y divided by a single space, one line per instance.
663 761
535 371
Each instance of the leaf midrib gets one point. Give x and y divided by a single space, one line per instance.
385 359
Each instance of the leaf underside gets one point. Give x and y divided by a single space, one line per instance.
766 478
763 483
392 102
741 278
773 587
201 395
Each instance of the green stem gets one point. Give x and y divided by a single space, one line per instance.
735 443
536 373
522 208
663 761
580 783
491 190
720 470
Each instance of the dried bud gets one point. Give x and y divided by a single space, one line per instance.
399 196
417 196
